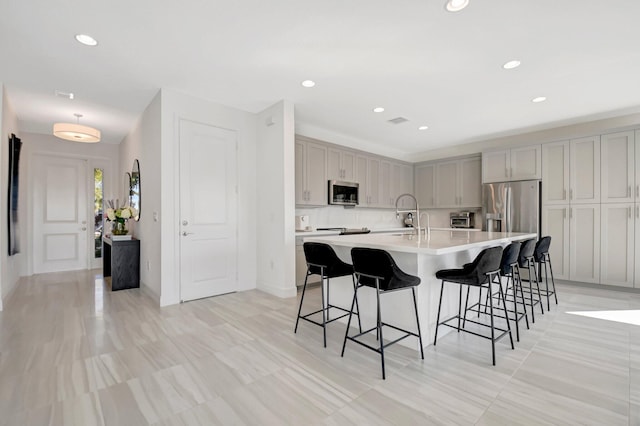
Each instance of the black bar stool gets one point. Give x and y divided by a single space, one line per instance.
541 256
481 273
322 260
510 270
377 269
526 260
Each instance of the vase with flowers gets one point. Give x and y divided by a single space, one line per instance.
119 217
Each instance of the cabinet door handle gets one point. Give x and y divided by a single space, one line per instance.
564 213
629 191
506 172
511 172
571 194
564 194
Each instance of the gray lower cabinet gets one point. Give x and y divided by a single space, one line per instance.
121 262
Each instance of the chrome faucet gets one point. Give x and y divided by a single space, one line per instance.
416 210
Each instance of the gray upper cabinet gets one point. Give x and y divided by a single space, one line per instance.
341 165
618 167
449 184
522 163
311 174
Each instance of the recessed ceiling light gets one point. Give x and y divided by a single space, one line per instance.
423 127
62 94
308 83
539 99
378 109
86 40
511 65
456 5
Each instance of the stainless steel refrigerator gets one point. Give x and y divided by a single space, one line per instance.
511 206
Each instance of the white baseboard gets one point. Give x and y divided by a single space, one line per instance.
277 291
150 292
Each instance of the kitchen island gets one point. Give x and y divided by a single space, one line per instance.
421 256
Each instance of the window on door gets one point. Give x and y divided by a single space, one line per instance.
98 212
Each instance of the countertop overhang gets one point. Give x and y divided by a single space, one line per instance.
437 243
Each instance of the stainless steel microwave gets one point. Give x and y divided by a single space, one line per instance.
343 193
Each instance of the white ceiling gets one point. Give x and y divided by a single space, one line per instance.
409 56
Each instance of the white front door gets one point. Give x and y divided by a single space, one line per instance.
208 211
59 214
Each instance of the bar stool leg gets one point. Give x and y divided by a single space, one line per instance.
460 307
415 306
346 333
515 302
435 337
356 300
519 283
466 305
535 274
506 316
380 327
493 341
304 288
324 309
553 283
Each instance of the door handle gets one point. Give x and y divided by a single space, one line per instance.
571 194
184 234
84 228
185 223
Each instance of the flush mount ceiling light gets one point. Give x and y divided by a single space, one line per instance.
456 5
539 99
308 83
76 132
378 109
511 65
87 40
423 127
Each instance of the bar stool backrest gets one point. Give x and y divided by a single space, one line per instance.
509 257
488 260
526 251
324 255
542 248
373 262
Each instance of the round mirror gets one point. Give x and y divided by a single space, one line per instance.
134 189
127 187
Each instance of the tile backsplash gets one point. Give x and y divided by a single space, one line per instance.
337 216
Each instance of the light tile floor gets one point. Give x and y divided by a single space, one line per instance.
72 352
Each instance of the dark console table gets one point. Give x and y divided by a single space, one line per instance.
121 262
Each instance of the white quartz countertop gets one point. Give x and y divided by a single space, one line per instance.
408 230
314 233
439 242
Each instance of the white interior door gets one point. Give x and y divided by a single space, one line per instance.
60 214
208 211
